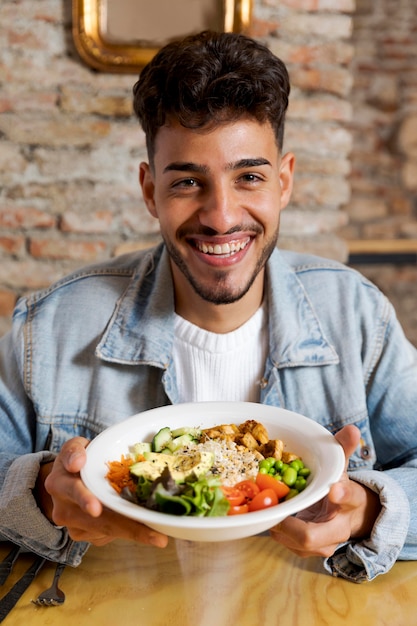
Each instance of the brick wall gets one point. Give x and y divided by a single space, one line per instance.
383 205
70 147
384 125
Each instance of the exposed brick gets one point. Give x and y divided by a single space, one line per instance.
407 136
332 80
381 230
134 246
320 139
11 161
319 108
12 245
312 191
310 164
59 161
31 12
297 53
325 26
19 100
86 100
409 230
336 6
260 28
15 217
97 222
28 274
101 164
137 220
322 245
296 222
409 175
367 209
7 302
57 249
53 131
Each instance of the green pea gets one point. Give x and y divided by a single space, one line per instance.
300 483
272 471
278 465
289 476
291 494
297 464
267 463
263 470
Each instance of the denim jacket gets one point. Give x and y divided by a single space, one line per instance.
96 348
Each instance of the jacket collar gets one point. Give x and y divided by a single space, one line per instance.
296 335
141 329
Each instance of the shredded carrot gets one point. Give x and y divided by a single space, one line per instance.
119 474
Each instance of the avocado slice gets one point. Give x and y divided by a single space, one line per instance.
181 466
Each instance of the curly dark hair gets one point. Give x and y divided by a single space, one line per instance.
211 77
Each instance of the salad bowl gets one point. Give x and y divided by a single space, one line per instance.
320 452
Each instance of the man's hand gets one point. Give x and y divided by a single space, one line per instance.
348 511
67 502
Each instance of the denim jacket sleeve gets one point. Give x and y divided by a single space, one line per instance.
341 357
22 521
392 411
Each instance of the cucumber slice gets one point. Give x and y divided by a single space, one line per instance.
141 447
180 442
161 440
186 430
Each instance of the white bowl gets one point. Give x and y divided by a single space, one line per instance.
317 447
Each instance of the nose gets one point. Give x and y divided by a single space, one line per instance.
220 208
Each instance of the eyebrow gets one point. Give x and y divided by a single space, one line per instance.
185 166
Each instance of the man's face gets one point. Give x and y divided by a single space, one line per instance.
217 193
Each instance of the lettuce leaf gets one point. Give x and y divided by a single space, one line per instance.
201 497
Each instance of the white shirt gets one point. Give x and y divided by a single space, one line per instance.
228 367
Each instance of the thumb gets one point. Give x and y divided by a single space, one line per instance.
73 454
348 437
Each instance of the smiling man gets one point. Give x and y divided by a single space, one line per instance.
215 312
217 193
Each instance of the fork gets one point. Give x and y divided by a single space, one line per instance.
6 565
54 595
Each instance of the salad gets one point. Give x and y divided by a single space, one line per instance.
225 470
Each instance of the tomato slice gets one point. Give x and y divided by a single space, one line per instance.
233 495
265 481
263 500
238 510
249 488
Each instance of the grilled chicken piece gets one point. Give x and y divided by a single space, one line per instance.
273 448
287 457
247 440
256 429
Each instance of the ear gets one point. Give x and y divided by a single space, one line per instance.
148 187
286 177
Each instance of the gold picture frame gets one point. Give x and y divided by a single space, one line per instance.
103 51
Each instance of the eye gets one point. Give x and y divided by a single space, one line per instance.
251 178
186 183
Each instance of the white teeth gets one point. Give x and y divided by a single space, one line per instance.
225 248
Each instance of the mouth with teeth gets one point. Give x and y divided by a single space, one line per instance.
222 249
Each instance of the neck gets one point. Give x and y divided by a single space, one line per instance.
221 318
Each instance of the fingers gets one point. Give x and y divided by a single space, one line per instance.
309 539
76 508
65 486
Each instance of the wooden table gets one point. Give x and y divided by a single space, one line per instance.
250 582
